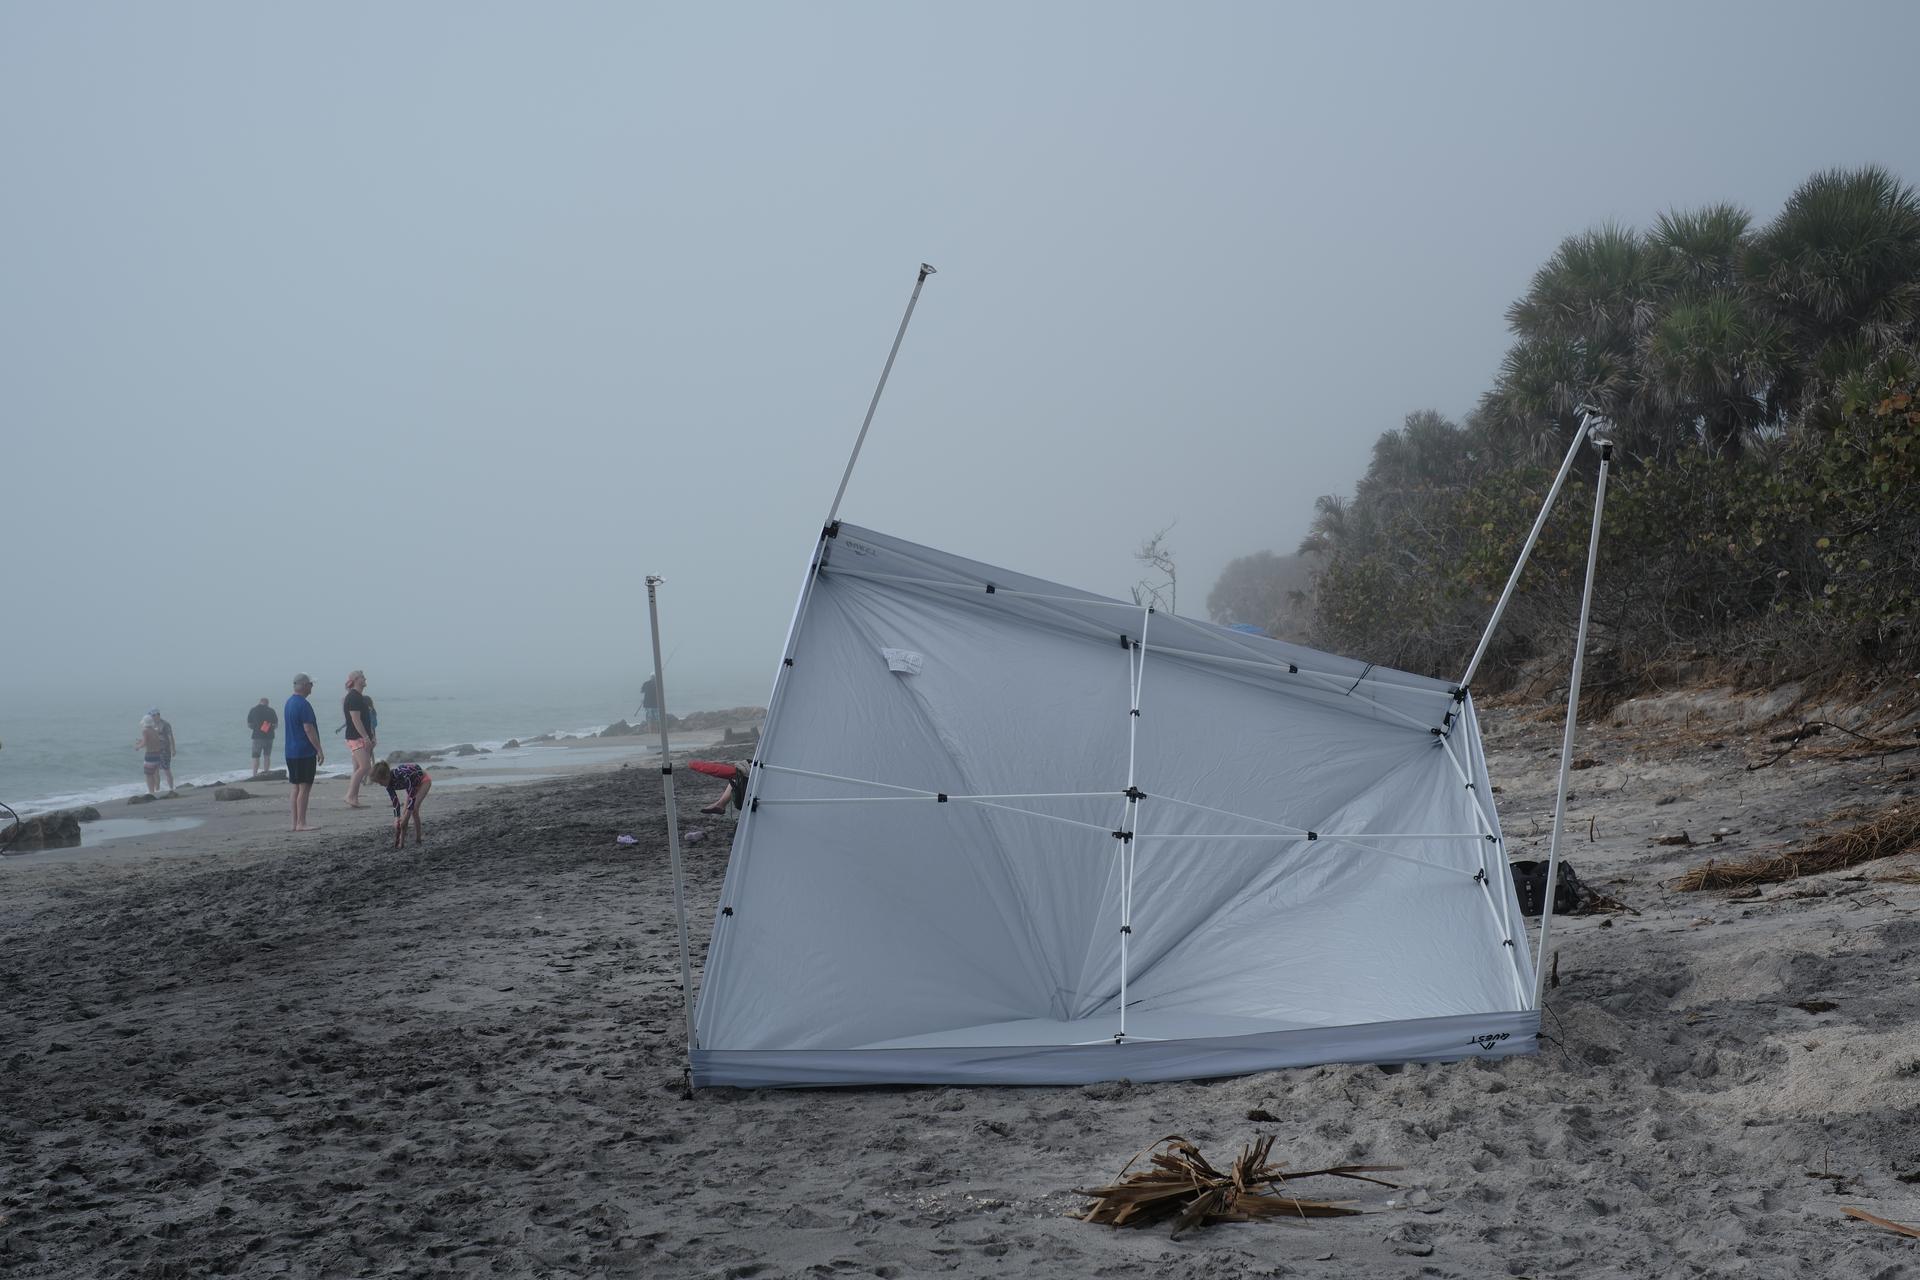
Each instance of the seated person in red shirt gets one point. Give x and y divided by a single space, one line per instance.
736 780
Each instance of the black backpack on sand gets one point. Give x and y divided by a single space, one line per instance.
1530 883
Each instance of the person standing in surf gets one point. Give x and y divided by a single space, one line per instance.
262 720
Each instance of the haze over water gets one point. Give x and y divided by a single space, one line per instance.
412 337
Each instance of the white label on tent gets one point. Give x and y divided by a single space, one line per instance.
905 661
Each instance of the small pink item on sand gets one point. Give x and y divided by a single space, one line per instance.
625 840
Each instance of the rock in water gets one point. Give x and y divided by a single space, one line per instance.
618 729
140 799
510 744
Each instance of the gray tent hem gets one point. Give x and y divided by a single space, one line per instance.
1448 1039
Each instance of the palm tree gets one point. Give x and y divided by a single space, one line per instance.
1333 527
1709 361
1839 272
1700 251
1580 327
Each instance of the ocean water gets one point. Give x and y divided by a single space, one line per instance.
61 748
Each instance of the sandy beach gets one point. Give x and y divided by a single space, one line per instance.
235 1052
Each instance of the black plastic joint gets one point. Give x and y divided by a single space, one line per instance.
1126 928
666 769
755 806
989 588
1507 942
1606 451
940 797
1134 793
1313 835
1472 787
1493 839
1134 712
786 662
1480 876
1124 642
1292 670
1460 694
831 531
1434 732
726 911
1123 835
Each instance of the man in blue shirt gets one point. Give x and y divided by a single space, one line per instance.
304 754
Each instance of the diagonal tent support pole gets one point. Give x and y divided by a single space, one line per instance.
673 821
833 512
1588 421
716 953
1573 723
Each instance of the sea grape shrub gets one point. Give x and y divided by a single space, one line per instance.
1802 553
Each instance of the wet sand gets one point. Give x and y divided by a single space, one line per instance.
317 1057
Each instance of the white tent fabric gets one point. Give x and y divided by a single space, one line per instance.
942 877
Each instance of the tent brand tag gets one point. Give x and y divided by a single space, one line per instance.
857 547
1488 1041
905 661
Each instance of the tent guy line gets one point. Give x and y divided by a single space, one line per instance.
922 795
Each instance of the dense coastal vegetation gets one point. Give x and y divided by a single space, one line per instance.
1763 385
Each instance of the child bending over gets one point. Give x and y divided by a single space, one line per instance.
416 782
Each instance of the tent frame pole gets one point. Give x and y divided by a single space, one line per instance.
1573 724
673 821
1588 420
1136 674
833 512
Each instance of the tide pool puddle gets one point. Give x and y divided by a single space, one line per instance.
92 833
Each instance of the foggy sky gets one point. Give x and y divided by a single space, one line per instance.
412 336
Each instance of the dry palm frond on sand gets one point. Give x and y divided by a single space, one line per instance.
1895 831
1181 1184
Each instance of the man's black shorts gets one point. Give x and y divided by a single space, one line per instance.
300 769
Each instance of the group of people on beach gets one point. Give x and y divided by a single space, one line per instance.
305 754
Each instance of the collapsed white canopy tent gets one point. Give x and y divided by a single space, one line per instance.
1003 831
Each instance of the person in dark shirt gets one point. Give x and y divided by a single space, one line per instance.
360 741
262 719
